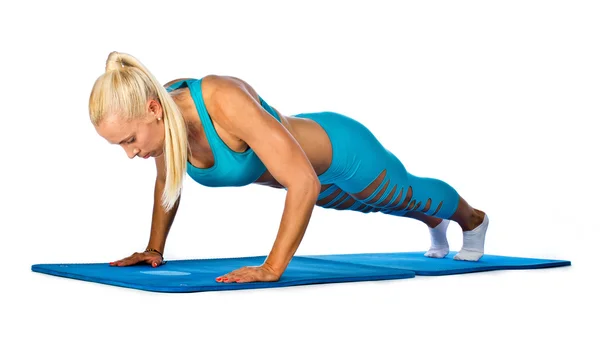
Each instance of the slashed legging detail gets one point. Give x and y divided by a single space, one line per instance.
364 176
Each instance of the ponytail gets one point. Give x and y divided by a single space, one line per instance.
124 89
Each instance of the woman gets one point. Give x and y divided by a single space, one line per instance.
220 132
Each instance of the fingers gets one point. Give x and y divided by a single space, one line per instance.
249 274
130 260
245 274
152 259
224 278
124 262
230 277
246 278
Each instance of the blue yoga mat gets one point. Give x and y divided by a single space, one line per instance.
199 275
426 266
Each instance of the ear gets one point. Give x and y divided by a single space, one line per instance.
154 109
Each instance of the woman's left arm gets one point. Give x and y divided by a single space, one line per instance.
236 111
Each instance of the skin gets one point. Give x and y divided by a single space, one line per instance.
294 152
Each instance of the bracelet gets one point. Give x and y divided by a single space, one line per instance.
154 250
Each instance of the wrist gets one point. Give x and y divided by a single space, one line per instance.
276 270
149 249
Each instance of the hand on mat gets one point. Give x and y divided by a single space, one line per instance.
250 274
151 258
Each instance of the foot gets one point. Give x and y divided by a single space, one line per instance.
439 242
473 242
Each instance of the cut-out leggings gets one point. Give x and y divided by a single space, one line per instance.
364 176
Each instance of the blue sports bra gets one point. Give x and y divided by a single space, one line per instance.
230 168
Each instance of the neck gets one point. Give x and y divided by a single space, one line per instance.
187 107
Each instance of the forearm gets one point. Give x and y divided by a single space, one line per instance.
161 220
299 204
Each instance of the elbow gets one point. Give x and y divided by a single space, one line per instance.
309 186
313 188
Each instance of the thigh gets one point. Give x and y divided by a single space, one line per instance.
333 197
380 181
363 170
377 178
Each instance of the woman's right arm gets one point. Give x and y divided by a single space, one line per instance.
161 224
161 219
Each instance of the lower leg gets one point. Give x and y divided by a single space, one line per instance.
437 234
430 221
474 224
466 216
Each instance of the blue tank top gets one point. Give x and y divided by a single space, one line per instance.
230 168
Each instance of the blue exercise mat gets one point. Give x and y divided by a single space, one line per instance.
200 274
426 266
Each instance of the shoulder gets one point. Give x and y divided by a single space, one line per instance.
220 83
213 81
213 84
172 82
223 90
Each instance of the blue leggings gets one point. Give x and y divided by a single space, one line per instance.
364 176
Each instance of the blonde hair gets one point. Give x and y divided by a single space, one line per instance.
124 89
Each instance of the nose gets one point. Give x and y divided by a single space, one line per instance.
132 153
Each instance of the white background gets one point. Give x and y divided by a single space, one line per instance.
496 98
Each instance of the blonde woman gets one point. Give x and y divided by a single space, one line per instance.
220 132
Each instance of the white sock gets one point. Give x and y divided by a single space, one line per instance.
473 242
439 242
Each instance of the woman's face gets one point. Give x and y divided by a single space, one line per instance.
142 137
